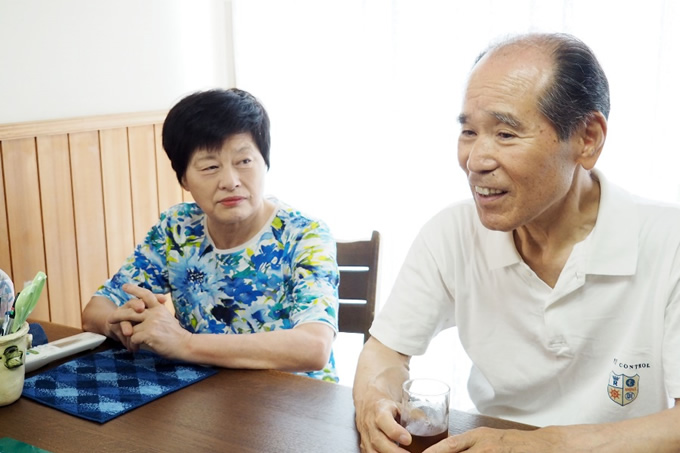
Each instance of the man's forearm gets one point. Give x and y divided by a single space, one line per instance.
381 369
658 432
377 395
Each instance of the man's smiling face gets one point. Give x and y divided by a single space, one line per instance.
518 170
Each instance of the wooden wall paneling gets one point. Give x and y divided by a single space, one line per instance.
143 182
102 205
80 124
24 217
169 190
88 208
5 257
120 240
54 166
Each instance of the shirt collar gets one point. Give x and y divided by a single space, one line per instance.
611 248
499 247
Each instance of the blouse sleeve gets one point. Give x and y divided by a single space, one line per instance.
145 267
315 276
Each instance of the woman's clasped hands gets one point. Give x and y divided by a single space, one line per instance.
145 321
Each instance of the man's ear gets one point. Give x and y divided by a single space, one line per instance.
594 135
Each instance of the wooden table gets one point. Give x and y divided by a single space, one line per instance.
232 411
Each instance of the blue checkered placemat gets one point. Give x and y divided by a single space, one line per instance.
104 385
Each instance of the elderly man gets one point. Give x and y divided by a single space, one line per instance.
565 288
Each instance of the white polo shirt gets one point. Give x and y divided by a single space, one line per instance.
603 345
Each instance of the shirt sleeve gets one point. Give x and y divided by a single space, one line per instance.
420 304
315 276
145 267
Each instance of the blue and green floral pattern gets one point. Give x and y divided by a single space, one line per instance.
285 276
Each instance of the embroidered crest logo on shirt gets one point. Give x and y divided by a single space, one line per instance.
623 389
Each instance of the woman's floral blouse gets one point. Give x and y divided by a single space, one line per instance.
285 276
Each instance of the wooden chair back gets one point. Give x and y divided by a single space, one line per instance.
358 263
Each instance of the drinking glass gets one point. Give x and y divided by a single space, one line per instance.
425 412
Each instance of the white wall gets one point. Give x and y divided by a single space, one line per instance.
69 58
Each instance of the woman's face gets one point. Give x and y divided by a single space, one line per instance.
228 185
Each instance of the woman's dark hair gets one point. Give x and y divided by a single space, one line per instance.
579 86
205 119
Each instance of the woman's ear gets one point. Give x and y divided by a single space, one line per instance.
594 135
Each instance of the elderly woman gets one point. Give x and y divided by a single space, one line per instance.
253 281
